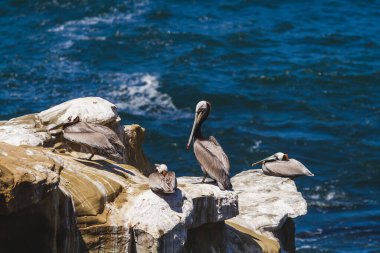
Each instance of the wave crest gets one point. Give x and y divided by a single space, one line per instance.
139 94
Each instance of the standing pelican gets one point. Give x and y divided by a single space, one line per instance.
162 181
210 155
97 138
280 165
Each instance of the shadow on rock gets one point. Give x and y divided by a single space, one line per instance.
221 237
107 166
175 200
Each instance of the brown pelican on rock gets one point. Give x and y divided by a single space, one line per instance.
162 181
280 165
96 138
210 155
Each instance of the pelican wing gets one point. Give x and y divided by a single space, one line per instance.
209 157
219 153
171 181
79 127
109 133
93 140
159 183
291 168
155 182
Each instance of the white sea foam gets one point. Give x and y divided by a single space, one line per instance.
84 26
254 147
330 195
88 28
139 94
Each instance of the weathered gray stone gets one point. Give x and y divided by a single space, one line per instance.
23 131
159 222
32 130
266 203
42 129
113 208
210 203
89 109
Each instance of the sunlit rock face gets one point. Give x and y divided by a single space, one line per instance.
264 224
267 204
23 131
89 109
44 128
211 204
32 130
25 171
58 201
100 205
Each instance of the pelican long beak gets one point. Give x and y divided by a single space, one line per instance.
192 131
272 157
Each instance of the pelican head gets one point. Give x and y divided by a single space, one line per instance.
162 168
70 120
202 111
279 156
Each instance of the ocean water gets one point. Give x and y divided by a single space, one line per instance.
301 77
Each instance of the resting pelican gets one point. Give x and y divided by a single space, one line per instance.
280 165
97 138
210 155
162 181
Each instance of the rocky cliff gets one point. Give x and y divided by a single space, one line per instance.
53 200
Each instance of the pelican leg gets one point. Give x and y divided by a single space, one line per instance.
204 178
92 155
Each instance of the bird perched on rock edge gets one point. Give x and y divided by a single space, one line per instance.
210 155
96 138
280 165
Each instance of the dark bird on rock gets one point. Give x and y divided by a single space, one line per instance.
210 155
162 181
280 165
96 138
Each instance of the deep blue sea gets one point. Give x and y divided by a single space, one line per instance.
301 77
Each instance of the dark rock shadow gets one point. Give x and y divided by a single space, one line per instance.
286 235
48 224
175 200
107 166
220 237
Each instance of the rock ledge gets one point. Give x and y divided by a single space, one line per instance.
60 202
